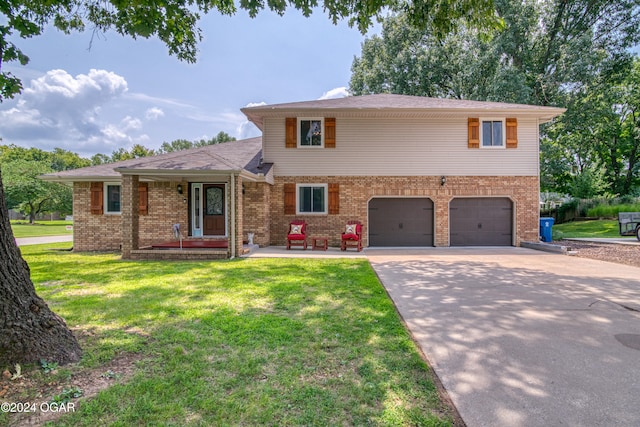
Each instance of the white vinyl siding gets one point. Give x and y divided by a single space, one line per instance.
402 147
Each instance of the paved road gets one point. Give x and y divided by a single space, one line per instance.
22 241
521 337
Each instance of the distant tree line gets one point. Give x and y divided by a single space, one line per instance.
28 194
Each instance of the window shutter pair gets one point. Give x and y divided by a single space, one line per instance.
97 198
511 132
290 199
291 133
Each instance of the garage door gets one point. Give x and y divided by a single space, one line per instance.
481 222
400 222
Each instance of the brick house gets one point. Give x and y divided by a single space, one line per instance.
415 171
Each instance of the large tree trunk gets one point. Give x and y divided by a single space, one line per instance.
29 330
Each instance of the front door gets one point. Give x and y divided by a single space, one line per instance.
213 211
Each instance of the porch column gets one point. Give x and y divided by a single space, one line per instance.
130 211
239 217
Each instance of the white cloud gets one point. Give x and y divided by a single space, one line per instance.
60 110
255 104
153 113
338 92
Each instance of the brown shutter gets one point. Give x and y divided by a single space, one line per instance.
143 192
289 199
334 199
291 139
97 198
474 133
329 132
512 132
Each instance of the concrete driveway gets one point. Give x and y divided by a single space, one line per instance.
520 337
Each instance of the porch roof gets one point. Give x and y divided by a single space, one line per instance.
242 157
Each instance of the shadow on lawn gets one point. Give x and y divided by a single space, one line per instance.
302 342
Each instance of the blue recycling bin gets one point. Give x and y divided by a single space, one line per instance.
546 225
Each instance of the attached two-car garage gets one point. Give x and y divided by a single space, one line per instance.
476 221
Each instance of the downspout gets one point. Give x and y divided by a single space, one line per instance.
234 193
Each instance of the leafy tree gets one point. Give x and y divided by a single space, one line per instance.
100 159
31 195
183 144
58 159
136 152
175 145
29 330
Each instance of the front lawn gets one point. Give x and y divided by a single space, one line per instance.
278 342
40 228
592 228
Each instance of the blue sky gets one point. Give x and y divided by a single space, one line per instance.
122 92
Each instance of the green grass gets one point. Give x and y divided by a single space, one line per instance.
276 342
43 228
594 228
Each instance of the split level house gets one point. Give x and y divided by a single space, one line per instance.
414 171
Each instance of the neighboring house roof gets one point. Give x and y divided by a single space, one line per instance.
235 156
392 104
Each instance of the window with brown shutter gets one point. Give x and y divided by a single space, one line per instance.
474 132
289 199
97 198
291 140
334 199
143 193
512 132
329 133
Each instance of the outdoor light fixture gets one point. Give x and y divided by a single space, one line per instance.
443 180
179 188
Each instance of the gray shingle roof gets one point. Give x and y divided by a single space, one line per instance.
229 156
399 103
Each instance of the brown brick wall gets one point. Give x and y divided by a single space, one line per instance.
104 232
93 232
166 207
355 193
256 212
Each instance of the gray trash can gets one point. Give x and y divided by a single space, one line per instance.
546 225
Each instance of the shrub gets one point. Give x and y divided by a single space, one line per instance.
611 211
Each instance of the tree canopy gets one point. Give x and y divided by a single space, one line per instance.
175 22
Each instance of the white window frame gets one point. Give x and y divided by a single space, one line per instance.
326 199
299 130
106 198
504 132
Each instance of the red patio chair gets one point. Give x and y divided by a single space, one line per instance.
297 235
352 236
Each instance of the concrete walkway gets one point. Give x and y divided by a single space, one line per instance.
521 337
22 241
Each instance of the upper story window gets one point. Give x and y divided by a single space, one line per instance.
492 133
112 197
311 132
488 133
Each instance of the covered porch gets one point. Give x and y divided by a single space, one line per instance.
188 214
